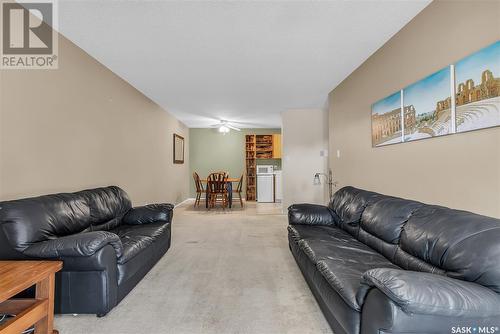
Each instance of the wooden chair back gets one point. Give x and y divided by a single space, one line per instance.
197 182
240 184
216 183
223 172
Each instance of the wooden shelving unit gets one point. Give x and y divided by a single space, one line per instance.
259 147
251 167
264 146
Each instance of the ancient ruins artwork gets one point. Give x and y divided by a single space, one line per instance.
386 121
427 106
426 109
477 82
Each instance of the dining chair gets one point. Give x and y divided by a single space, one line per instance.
216 189
199 189
239 189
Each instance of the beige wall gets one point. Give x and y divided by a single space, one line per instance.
82 126
305 136
211 151
461 170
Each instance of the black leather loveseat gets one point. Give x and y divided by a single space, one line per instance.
380 264
106 245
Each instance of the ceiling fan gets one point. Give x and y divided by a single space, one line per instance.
225 126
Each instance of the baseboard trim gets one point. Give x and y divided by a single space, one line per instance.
184 201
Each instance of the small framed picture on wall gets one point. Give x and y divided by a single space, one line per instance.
178 149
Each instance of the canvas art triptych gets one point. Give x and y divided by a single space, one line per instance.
461 97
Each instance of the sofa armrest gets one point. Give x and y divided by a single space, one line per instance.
151 213
311 214
75 245
426 293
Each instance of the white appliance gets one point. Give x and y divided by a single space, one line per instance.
278 187
265 169
265 184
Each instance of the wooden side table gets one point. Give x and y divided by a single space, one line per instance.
17 276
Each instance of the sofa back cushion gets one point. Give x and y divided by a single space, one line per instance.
36 219
349 203
30 220
465 245
382 222
107 205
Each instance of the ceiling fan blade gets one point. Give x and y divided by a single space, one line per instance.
232 127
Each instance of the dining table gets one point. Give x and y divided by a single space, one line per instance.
229 184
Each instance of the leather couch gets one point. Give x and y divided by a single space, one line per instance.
381 264
106 245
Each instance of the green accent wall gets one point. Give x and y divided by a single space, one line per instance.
211 151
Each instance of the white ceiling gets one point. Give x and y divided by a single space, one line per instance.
240 61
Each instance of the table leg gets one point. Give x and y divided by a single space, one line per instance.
206 198
45 290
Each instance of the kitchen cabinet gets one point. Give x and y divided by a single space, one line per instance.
277 146
278 187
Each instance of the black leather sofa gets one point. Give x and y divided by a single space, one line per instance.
106 245
380 264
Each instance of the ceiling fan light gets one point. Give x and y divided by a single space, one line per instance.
223 129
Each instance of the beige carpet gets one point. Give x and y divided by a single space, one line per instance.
226 272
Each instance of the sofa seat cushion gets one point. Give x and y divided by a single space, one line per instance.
341 260
319 242
299 232
344 273
136 238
